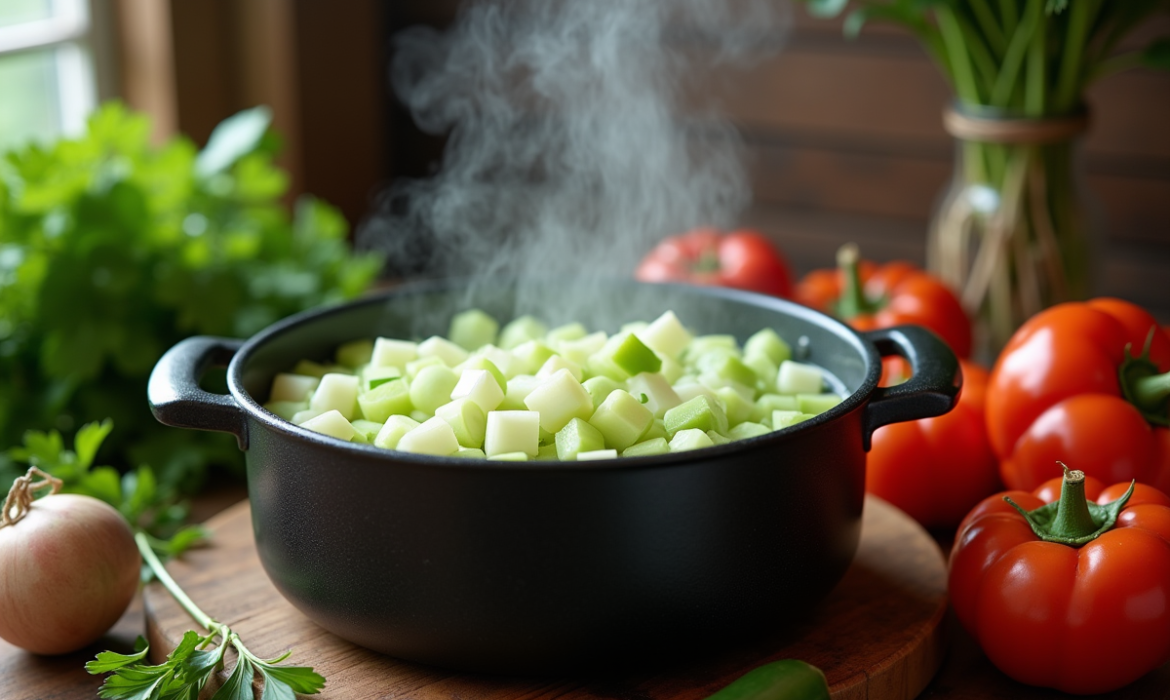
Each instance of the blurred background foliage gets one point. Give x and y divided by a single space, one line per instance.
112 250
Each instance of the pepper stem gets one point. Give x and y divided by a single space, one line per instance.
1143 385
853 302
1073 519
1149 392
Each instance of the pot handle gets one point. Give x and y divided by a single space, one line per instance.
931 391
176 398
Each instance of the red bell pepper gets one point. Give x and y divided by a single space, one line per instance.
1068 382
937 469
742 259
1072 595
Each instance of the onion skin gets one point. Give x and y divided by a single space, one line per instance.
68 570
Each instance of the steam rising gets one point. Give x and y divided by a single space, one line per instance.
566 153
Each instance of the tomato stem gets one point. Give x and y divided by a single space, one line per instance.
853 302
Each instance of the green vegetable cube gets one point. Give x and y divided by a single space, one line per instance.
481 387
308 414
432 387
667 335
634 357
763 407
559 399
691 389
472 329
622 419
519 387
359 438
577 436
367 429
717 439
415 366
467 419
555 363
657 429
737 408
512 431
748 429
286 409
331 422
502 360
596 455
581 349
521 330
689 439
799 378
355 353
569 331
509 457
470 453
647 448
599 388
764 369
372 376
768 343
531 355
816 403
700 413
393 430
704 344
784 419
310 369
733 370
660 397
385 400
336 392
293 387
481 362
437 346
547 453
434 437
393 353
672 370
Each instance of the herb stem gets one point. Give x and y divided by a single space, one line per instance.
160 572
1081 16
958 55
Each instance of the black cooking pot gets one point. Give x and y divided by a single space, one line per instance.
543 566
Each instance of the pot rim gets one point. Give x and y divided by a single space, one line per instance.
256 411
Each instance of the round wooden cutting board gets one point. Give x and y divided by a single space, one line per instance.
878 636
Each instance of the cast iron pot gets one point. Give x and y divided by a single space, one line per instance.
547 566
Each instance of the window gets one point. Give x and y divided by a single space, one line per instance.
48 81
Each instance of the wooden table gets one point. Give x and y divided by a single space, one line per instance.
966 673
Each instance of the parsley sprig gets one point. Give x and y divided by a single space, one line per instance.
191 665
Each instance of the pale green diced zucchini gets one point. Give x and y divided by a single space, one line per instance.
467 419
432 387
656 429
519 387
420 416
393 430
734 370
768 343
596 454
601 365
667 335
367 429
472 329
686 392
634 357
509 457
737 408
385 400
336 392
647 448
569 331
622 419
502 360
704 344
415 366
581 349
748 429
717 439
355 353
470 453
359 438
481 387
331 423
700 413
660 397
715 382
600 387
293 387
547 453
531 355
286 409
559 399
521 330
816 403
372 376
438 346
308 414
764 369
481 362
712 359
556 363
393 353
799 378
434 437
763 407
633 327
672 370
690 439
784 419
577 436
512 431
310 369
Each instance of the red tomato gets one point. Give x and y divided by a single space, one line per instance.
1082 619
741 259
937 469
1056 391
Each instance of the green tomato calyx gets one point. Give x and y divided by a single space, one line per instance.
1143 385
853 302
1073 520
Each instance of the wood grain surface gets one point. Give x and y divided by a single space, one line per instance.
879 634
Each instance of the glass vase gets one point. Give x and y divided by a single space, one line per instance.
1013 233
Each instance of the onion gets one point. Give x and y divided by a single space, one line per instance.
69 567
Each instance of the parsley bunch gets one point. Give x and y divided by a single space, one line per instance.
112 250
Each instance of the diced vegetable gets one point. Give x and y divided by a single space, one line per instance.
293 387
689 439
699 413
799 378
512 431
667 335
481 387
521 330
647 448
472 329
393 353
596 454
331 422
434 437
559 399
393 430
385 400
433 386
336 392
634 357
621 419
467 419
577 436
355 353
768 344
436 346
